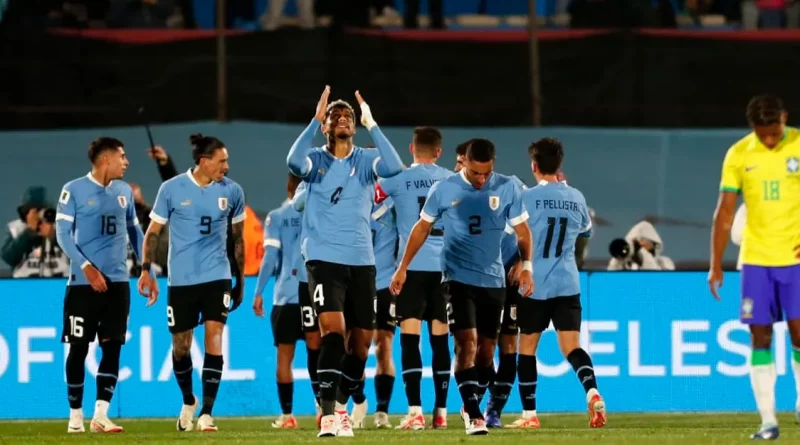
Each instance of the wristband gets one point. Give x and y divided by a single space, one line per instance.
527 265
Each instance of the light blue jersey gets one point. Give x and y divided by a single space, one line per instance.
339 197
474 223
384 239
559 217
281 240
198 227
408 190
508 245
298 204
93 225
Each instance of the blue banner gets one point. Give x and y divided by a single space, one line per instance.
659 342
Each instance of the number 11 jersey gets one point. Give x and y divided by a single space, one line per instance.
198 227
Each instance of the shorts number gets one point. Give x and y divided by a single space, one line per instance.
226 299
205 222
450 319
170 317
475 225
308 316
548 239
335 195
108 225
76 326
319 298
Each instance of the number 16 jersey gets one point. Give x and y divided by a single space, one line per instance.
198 227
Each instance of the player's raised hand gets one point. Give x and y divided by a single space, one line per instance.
148 287
398 280
95 278
322 106
366 113
715 281
258 306
525 283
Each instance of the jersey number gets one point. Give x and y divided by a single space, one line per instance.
772 190
108 225
76 326
434 232
548 239
205 221
335 195
475 225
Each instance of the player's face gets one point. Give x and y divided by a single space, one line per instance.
216 166
770 135
478 173
459 163
340 123
116 163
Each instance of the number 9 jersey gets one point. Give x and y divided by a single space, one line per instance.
198 227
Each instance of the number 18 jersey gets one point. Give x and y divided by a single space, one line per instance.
198 227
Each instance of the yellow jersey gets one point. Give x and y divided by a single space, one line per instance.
769 181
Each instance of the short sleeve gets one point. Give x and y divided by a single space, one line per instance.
731 172
272 230
432 210
130 211
237 202
66 205
160 212
517 214
299 198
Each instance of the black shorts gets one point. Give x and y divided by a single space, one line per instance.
385 311
89 314
535 315
193 305
307 312
508 325
287 324
341 288
473 307
422 297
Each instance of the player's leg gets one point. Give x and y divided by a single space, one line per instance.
80 329
328 297
410 310
313 340
285 331
385 326
491 307
567 322
789 297
439 329
533 317
183 314
507 368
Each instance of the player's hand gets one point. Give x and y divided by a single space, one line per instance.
525 283
158 154
513 273
366 113
322 105
148 287
715 281
95 278
237 293
258 306
398 280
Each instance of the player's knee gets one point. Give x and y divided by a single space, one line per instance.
313 340
111 349
508 344
762 340
466 348
437 327
77 352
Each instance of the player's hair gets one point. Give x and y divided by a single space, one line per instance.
101 145
765 109
339 104
461 150
204 146
427 140
548 154
480 150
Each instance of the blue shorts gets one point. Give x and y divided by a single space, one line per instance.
769 294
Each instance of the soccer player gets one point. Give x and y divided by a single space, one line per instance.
94 220
764 167
338 248
559 217
197 205
421 298
289 320
475 206
461 153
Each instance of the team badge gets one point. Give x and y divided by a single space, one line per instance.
64 197
512 313
123 201
747 307
792 164
494 202
223 203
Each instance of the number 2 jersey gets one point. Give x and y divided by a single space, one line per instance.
559 215
198 227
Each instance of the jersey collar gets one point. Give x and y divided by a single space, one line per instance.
91 178
464 177
328 152
194 181
543 182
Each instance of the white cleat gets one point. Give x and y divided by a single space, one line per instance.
382 421
345 426
477 427
206 424
104 425
328 426
358 415
75 424
186 418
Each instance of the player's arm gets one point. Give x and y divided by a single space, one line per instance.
237 232
272 252
65 222
159 216
299 199
737 228
383 214
517 217
135 233
388 163
730 187
419 233
582 242
299 161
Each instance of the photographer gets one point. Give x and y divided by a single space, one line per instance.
639 250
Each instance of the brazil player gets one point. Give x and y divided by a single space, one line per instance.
559 216
281 245
338 248
421 298
94 221
475 206
198 205
764 167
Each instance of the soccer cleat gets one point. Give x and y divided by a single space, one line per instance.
412 421
104 425
464 416
319 416
345 426
439 419
382 421
597 412
493 419
186 417
75 424
359 414
767 432
206 424
328 426
525 423
477 427
285 421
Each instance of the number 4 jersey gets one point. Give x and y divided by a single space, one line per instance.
198 227
558 217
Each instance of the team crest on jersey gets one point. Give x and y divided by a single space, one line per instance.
792 164
123 201
494 202
223 203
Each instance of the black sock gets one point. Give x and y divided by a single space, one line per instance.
503 382
108 371
312 359
212 376
329 370
358 392
285 395
384 385
441 368
76 373
527 375
412 367
467 380
582 364
485 378
183 370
